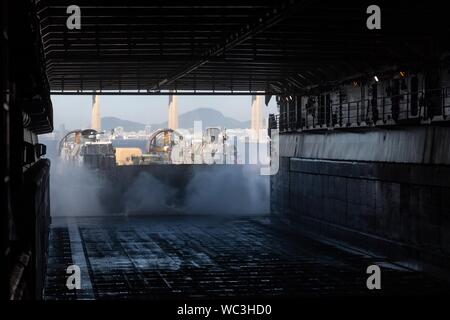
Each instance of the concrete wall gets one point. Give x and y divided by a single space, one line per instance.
421 145
387 192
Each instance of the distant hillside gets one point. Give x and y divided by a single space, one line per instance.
109 123
209 118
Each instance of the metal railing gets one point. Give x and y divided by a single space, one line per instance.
406 108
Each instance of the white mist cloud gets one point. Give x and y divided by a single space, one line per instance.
148 195
210 190
237 190
74 190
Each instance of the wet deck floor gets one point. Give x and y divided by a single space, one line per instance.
200 257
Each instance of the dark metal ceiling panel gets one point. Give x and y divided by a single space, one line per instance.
233 45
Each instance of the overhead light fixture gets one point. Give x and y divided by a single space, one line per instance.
402 74
376 78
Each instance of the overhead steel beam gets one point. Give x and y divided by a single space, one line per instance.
163 93
264 22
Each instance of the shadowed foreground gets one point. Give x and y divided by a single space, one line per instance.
203 257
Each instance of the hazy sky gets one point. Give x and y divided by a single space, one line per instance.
75 111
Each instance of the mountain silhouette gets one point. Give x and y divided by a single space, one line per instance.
209 118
